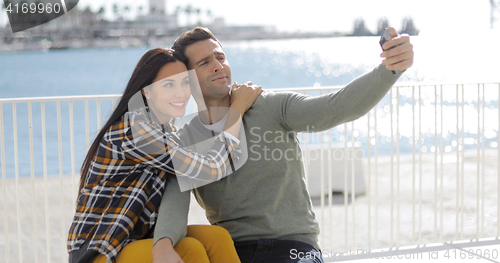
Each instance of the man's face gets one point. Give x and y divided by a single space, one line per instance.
208 59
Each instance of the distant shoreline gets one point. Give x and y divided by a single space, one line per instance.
135 41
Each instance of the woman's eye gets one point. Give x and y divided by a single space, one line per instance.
185 83
169 85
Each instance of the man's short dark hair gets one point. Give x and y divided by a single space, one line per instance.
188 38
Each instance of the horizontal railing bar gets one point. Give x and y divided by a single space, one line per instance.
60 98
115 96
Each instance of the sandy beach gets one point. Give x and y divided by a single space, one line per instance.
413 225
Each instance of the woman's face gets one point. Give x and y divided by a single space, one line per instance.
170 92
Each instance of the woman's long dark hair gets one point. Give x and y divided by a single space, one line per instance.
144 73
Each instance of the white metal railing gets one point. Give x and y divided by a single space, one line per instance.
429 166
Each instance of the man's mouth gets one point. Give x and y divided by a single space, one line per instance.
221 78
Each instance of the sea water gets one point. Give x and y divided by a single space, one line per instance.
273 64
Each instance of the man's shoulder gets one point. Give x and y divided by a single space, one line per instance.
276 95
274 99
273 102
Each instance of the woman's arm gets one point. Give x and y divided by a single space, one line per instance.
242 98
145 142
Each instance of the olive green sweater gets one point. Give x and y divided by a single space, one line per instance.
267 197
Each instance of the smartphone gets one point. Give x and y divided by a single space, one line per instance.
386 36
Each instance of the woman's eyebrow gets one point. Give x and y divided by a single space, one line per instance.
172 80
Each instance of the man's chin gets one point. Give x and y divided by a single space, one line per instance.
222 89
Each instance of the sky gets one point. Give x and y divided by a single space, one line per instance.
329 15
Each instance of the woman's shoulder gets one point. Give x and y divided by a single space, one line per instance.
138 115
119 129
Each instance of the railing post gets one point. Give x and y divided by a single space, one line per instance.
32 170
498 167
391 110
44 145
4 188
16 167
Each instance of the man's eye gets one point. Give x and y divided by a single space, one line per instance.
203 63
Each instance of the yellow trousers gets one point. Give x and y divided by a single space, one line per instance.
202 244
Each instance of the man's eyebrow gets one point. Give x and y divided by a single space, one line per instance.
203 59
217 53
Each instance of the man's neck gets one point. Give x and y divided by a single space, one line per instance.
214 111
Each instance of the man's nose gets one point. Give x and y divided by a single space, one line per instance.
218 66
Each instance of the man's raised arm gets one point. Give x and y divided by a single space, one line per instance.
307 113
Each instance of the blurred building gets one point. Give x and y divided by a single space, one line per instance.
157 6
157 18
409 28
495 13
360 29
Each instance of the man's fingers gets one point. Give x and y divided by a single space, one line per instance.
396 59
401 66
393 32
396 42
400 62
400 45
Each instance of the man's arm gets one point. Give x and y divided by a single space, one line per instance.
306 113
171 225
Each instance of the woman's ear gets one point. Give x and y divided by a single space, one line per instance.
145 92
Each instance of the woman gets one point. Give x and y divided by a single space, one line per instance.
124 173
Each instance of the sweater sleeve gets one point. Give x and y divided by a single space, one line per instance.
303 113
173 213
146 143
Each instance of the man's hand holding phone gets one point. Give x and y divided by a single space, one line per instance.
398 51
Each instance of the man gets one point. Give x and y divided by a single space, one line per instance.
264 204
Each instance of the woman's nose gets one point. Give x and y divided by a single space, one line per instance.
180 92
